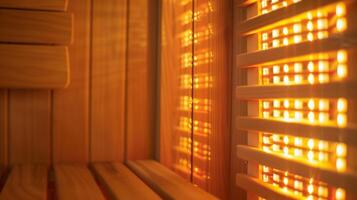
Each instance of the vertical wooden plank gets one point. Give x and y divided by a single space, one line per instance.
141 77
176 86
3 130
211 121
29 126
108 80
70 106
238 107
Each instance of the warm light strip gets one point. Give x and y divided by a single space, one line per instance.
267 6
325 68
184 166
308 188
202 151
309 110
200 104
199 127
312 150
199 59
313 25
200 81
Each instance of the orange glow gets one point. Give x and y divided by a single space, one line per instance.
315 111
307 188
271 5
313 25
323 68
313 69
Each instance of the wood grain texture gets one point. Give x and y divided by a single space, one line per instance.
140 99
29 126
26 182
213 47
165 182
121 182
35 27
325 173
264 190
108 80
74 181
174 99
30 66
70 106
3 130
57 5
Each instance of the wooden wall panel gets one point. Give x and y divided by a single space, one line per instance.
29 126
70 106
3 130
33 66
58 5
141 88
37 27
175 98
213 27
108 80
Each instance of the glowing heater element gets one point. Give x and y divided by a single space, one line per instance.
313 25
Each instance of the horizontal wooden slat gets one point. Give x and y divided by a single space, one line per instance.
325 173
242 3
280 14
121 182
165 182
26 182
58 5
262 189
305 48
74 181
33 66
329 90
35 27
346 135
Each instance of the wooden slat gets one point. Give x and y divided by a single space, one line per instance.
140 79
165 182
121 182
243 3
266 56
218 138
31 66
108 80
70 106
35 27
58 5
26 182
74 181
329 133
264 190
3 130
325 173
170 91
283 13
329 90
29 127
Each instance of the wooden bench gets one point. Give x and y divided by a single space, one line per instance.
75 181
165 182
26 182
121 182
148 181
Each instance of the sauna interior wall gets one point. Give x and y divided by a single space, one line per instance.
96 117
195 93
